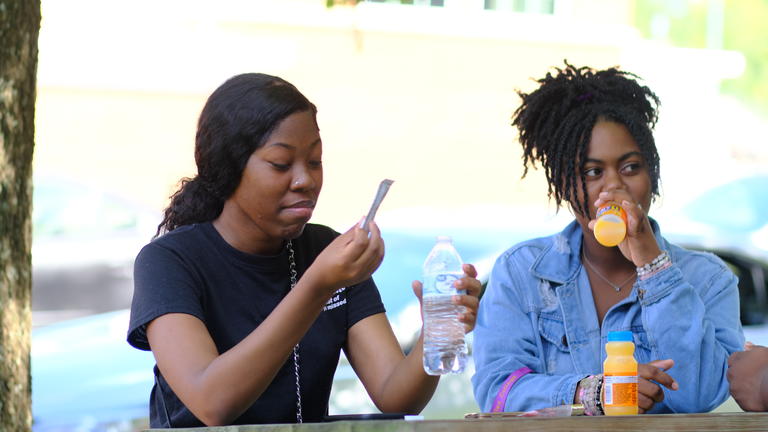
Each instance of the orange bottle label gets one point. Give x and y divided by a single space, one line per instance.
620 389
612 209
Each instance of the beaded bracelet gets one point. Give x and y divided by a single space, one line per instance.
599 398
590 391
658 264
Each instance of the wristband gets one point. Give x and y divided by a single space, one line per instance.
590 393
501 398
658 264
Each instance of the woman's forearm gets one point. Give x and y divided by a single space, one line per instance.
408 388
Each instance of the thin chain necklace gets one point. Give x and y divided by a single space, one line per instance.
618 287
292 272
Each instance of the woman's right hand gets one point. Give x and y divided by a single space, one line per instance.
349 259
649 376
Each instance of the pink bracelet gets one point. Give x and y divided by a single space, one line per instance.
501 398
590 389
658 264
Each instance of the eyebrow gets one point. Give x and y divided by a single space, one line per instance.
292 147
621 159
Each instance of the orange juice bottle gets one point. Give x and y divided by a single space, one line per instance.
611 225
620 375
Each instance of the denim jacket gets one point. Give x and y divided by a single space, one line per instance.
538 312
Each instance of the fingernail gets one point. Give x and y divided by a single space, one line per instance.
675 386
455 299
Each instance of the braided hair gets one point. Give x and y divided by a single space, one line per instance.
555 123
237 119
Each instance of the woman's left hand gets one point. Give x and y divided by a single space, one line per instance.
650 377
470 300
748 377
639 245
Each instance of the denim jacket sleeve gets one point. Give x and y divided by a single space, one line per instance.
690 312
509 340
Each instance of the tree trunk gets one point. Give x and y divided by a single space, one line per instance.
19 28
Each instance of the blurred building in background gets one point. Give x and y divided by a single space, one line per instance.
419 93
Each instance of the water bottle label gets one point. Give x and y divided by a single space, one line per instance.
442 283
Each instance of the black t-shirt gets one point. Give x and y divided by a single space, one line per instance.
193 270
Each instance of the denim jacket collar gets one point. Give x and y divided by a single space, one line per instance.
560 262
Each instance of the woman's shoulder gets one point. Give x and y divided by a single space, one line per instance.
181 239
528 250
695 261
703 270
552 258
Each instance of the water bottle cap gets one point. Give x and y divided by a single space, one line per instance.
444 239
620 336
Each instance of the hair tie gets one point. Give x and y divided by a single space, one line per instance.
584 97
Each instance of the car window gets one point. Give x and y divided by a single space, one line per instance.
738 206
752 287
61 209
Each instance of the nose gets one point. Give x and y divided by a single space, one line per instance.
613 180
302 180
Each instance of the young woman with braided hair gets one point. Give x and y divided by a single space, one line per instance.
550 302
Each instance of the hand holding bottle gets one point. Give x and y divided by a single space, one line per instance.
449 308
610 225
639 245
470 300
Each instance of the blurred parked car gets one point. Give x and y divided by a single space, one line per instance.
84 241
731 217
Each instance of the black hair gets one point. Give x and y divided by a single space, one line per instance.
237 119
555 123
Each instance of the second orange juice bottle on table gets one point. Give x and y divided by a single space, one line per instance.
620 375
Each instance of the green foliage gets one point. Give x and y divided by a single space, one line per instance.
679 22
332 3
685 23
746 32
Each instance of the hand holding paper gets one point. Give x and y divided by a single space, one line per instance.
380 194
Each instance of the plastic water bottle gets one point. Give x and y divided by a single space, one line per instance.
611 225
444 348
620 375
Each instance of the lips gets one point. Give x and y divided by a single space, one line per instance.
302 204
301 208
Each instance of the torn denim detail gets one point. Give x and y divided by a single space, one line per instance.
548 296
561 244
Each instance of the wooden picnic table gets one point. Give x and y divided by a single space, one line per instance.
715 422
